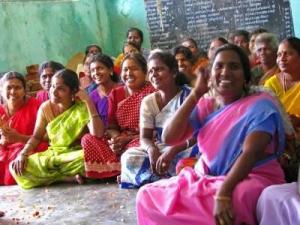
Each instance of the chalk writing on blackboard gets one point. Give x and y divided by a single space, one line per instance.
170 21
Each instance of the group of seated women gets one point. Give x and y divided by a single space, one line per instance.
142 128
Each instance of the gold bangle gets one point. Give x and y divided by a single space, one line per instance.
94 115
187 144
222 198
286 156
149 146
24 154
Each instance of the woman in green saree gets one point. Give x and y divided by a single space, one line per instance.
63 119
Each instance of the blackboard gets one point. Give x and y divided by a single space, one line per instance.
170 21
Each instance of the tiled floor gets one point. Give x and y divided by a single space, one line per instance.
94 203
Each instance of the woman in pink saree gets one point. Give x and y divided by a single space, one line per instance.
240 134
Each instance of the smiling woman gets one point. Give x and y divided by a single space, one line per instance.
237 131
64 119
153 159
18 115
123 118
101 67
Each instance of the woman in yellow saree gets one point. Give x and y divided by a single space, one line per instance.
286 85
63 119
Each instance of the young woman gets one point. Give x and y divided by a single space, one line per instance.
240 135
64 119
123 119
153 159
101 67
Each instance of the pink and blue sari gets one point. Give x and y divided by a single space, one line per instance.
189 197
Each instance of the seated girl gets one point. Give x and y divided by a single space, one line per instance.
17 119
101 67
153 158
64 119
123 119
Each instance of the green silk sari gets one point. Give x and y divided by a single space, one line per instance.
63 158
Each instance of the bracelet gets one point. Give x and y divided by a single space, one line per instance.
149 146
222 198
286 156
187 144
24 154
94 115
28 144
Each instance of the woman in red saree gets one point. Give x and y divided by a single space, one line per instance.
102 155
17 120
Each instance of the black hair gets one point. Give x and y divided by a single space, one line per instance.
107 61
221 39
294 42
87 49
127 43
243 33
185 51
169 60
55 66
137 30
190 40
13 75
138 58
258 31
242 56
69 78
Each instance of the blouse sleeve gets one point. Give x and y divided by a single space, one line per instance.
147 114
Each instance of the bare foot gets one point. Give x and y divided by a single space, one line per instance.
79 179
2 214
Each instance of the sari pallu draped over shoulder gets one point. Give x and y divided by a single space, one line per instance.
23 122
231 125
64 158
189 197
289 98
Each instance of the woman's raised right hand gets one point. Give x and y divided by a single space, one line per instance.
19 164
202 82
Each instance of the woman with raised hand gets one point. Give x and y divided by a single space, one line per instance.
240 134
17 120
64 119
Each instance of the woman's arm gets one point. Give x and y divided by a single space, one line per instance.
178 128
19 164
147 143
253 150
96 126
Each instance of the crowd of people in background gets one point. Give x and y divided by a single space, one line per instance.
208 135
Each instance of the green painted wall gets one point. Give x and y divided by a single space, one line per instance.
126 14
36 30
33 30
